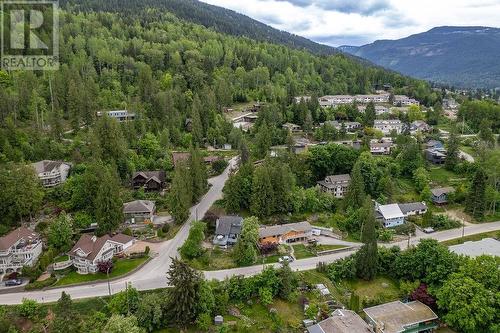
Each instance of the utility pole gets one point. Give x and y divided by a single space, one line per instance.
409 237
463 229
109 286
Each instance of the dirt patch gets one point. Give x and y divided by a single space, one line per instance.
43 277
458 215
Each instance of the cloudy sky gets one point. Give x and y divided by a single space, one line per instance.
357 22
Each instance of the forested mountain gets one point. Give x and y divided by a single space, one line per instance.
220 19
459 56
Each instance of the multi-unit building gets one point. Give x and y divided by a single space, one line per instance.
291 127
388 125
52 173
403 100
90 250
336 185
120 115
285 233
349 126
393 215
379 109
334 100
298 99
19 248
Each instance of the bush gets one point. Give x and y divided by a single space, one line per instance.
41 284
105 266
443 222
342 269
29 308
385 235
127 232
165 228
219 166
405 229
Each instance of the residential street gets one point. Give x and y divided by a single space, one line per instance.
153 274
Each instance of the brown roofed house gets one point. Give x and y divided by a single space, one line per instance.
20 247
149 180
285 233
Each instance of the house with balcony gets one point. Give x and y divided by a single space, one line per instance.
336 185
435 155
403 100
227 230
392 215
285 233
381 148
19 248
90 250
52 173
149 180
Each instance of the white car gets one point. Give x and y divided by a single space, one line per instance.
285 259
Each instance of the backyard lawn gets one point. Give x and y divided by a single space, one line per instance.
379 290
442 177
121 267
301 251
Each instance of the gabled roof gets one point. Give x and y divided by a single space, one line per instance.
282 229
341 321
47 165
121 238
157 174
139 206
442 190
229 225
90 245
15 236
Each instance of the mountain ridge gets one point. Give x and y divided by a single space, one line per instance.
463 56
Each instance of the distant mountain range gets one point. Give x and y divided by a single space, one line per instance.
458 56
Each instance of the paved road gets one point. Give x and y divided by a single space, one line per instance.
153 274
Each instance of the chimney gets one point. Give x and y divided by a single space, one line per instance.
94 238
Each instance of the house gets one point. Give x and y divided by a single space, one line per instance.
336 185
486 246
244 121
380 109
149 180
139 211
399 317
413 208
298 99
402 100
435 155
450 103
440 195
19 248
434 144
285 233
419 126
389 125
381 148
341 321
351 126
291 127
90 250
120 115
227 230
52 173
391 215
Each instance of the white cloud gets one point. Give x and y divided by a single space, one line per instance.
356 22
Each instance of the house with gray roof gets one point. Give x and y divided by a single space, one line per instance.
285 233
341 321
149 180
52 173
139 211
394 214
337 185
440 195
227 230
413 208
486 246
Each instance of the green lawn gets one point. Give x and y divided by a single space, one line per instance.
121 267
379 290
442 177
301 251
61 258
214 259
271 259
476 237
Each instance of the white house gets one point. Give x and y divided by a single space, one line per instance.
336 185
90 250
120 115
393 215
19 248
389 125
381 148
52 173
403 100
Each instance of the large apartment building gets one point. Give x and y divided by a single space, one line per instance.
19 248
334 100
403 100
52 173
389 125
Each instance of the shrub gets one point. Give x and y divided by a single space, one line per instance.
219 166
105 266
385 235
127 232
165 228
342 269
405 229
41 284
29 308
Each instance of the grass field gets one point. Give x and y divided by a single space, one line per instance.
379 290
442 177
301 251
121 267
493 234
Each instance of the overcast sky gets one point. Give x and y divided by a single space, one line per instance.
357 22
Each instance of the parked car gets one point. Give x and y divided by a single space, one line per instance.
429 230
13 282
285 259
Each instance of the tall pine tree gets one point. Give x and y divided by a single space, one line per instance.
198 173
367 256
356 191
180 196
476 199
109 206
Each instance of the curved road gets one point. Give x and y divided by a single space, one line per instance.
153 274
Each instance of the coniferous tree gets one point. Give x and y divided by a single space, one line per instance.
198 173
262 201
108 204
370 115
356 191
367 256
245 251
452 151
476 199
180 196
184 296
66 318
262 140
197 126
